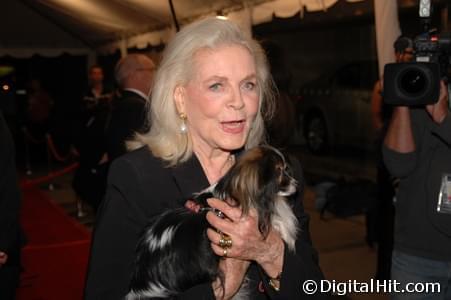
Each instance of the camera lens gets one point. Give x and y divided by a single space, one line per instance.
413 81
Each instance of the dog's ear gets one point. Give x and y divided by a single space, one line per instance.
270 173
253 182
240 184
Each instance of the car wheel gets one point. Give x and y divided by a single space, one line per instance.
316 134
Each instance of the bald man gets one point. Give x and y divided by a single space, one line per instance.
134 75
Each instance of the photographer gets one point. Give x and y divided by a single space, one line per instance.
417 150
382 225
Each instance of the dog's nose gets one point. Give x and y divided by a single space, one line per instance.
289 189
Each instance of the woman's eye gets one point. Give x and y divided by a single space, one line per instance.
215 86
250 86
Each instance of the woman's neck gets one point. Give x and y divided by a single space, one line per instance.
215 163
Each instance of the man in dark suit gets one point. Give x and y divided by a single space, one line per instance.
10 237
134 74
89 181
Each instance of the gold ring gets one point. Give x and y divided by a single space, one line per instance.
228 241
224 252
222 242
225 241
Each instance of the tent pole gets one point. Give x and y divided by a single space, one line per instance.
387 31
171 5
123 47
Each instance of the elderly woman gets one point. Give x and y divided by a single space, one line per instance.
210 96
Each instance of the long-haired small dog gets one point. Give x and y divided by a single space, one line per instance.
174 253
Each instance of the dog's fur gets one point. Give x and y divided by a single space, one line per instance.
175 253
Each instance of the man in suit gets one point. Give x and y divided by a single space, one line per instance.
134 74
89 181
10 234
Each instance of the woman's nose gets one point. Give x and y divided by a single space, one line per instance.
236 100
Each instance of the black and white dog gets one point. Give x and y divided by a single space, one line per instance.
175 254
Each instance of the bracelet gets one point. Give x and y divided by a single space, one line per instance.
275 282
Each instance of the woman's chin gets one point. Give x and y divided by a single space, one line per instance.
231 145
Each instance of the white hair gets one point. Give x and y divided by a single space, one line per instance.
164 138
130 64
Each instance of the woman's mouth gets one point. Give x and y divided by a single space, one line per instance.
233 127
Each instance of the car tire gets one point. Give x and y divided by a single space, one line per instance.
316 134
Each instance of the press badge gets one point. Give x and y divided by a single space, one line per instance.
444 197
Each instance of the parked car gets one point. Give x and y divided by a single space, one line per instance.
335 109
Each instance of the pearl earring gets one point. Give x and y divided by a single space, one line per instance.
183 128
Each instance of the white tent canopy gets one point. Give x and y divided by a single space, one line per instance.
52 27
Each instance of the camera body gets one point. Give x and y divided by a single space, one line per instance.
417 83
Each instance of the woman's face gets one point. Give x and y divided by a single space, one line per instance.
221 99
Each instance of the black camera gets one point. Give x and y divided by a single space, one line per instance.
418 83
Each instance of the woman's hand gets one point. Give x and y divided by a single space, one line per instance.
439 110
247 241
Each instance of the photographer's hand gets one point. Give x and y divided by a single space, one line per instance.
399 136
439 110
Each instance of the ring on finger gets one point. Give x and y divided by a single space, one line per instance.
228 241
221 242
225 241
224 252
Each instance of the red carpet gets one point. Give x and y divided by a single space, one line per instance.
56 255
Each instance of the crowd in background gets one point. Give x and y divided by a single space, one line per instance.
107 113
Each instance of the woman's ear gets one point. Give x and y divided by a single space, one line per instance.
179 98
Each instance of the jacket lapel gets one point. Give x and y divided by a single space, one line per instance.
189 178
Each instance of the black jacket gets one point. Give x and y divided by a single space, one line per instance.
11 237
140 187
419 229
9 192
